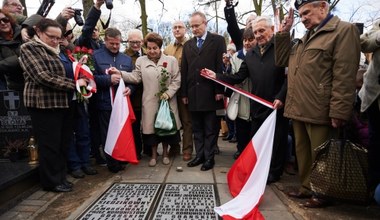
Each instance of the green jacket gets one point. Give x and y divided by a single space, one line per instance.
322 72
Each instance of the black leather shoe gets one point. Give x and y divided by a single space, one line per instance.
233 140
195 162
77 174
236 155
216 150
89 171
209 164
59 188
116 168
272 179
68 183
229 137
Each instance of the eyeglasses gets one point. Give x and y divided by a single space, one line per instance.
134 42
51 37
5 20
14 4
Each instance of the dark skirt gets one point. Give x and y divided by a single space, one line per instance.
153 139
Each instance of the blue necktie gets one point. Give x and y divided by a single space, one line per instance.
200 42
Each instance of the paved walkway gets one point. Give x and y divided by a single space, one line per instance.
38 204
276 205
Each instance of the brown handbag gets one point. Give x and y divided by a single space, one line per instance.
340 172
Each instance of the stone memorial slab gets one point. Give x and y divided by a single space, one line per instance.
15 126
123 201
186 201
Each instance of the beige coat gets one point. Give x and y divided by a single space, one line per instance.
147 72
370 91
322 72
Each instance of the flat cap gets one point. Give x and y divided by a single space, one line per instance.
299 3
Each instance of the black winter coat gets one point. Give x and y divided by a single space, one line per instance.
199 90
10 68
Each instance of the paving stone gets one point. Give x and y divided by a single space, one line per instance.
221 174
188 174
26 208
144 174
224 193
9 215
276 215
37 195
23 215
33 202
48 196
271 201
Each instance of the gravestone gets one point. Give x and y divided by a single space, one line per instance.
15 125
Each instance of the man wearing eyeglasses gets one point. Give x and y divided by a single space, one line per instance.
135 50
15 8
175 49
203 96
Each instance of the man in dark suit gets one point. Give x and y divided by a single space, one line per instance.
204 50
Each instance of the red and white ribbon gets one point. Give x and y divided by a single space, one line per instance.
83 71
242 92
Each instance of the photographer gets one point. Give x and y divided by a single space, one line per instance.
90 36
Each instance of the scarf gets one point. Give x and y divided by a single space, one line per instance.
155 60
55 51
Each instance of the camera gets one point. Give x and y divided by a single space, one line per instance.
109 4
78 16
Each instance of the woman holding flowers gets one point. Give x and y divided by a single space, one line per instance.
161 79
47 96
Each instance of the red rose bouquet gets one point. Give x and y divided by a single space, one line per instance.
80 52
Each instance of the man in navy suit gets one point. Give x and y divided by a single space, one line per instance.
203 96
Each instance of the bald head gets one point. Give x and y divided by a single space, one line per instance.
179 30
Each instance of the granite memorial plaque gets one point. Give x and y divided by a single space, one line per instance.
123 201
186 201
150 201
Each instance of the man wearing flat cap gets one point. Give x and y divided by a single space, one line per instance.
321 82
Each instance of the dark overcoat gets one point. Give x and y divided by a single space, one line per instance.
199 90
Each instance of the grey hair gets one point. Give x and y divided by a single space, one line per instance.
267 19
317 3
5 2
135 32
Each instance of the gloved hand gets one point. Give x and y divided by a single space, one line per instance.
164 96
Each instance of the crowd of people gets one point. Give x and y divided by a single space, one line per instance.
311 81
